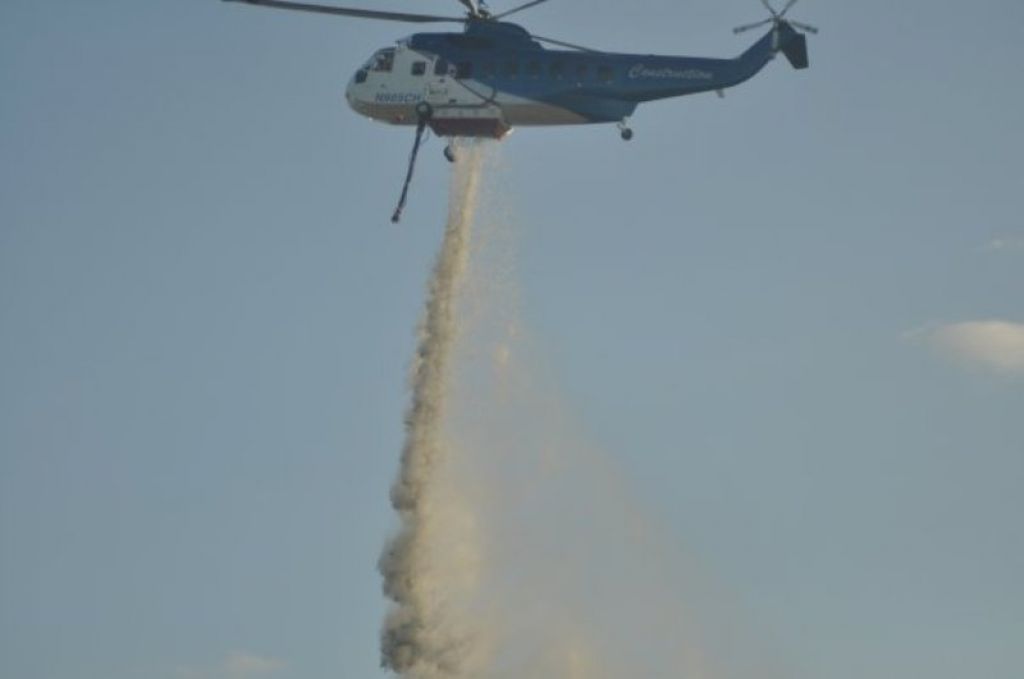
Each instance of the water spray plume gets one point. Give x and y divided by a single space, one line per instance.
521 551
415 642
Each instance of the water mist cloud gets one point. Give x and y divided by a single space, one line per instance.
522 553
236 665
997 345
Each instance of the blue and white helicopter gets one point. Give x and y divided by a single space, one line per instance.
495 75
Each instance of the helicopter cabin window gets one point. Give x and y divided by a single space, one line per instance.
533 69
581 72
464 70
384 60
419 67
361 76
510 69
441 67
557 69
605 74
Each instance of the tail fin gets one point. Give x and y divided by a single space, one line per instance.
796 51
793 44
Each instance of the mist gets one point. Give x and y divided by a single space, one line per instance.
522 553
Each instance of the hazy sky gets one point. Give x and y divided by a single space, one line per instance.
794 317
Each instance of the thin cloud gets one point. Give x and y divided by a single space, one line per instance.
247 665
1005 244
996 344
236 665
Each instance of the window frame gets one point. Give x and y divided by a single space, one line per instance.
384 60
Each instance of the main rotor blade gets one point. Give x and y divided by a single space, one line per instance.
769 8
358 13
472 6
787 7
806 27
520 8
561 43
743 29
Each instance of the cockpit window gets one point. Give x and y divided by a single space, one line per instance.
383 61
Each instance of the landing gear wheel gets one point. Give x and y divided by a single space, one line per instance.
424 111
624 130
449 153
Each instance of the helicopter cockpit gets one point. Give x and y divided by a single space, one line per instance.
382 61
389 84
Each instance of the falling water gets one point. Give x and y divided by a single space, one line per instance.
416 642
521 552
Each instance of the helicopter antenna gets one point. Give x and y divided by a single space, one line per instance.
777 18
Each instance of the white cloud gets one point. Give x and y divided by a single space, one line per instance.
1005 244
247 665
997 344
236 665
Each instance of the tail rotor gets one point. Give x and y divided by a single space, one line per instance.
786 33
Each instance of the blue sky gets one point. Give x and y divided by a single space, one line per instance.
793 318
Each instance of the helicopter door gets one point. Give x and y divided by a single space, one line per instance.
438 84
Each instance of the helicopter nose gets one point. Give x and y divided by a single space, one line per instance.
352 91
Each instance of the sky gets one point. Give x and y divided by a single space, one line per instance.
794 318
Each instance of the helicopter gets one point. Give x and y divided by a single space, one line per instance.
495 75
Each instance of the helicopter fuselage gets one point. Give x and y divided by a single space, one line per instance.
493 77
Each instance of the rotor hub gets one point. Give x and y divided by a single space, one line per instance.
777 20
